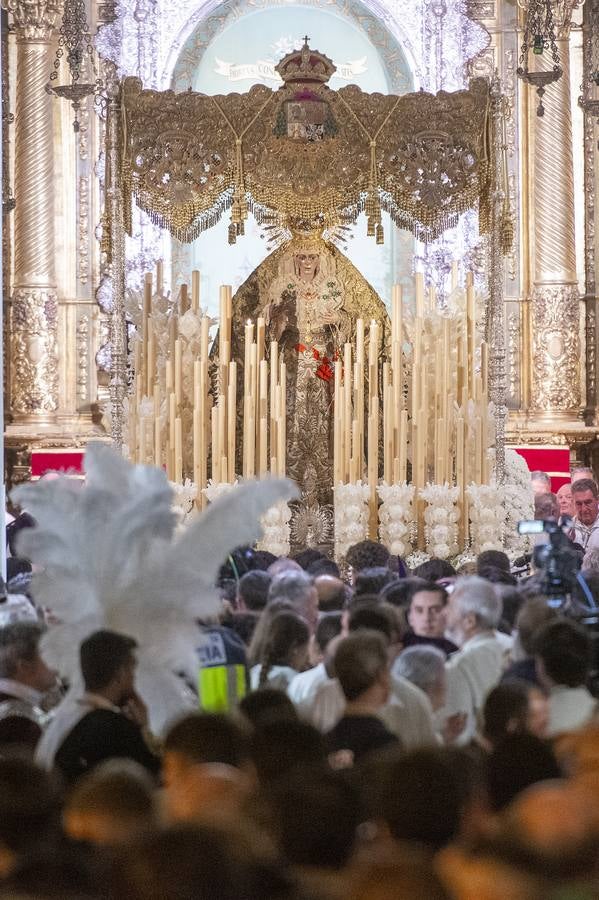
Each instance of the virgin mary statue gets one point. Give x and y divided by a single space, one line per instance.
310 296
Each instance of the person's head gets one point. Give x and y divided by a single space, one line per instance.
329 626
281 745
534 613
586 500
435 570
492 559
297 589
184 861
375 616
366 555
474 606
314 816
266 705
415 796
563 653
283 564
332 593
565 499
372 581
426 611
108 663
307 556
205 767
362 668
252 590
20 658
111 805
546 506
263 559
540 482
424 666
516 762
323 566
590 563
513 707
286 643
29 810
580 472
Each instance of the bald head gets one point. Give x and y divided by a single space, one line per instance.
331 593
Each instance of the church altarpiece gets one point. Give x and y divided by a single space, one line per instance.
59 283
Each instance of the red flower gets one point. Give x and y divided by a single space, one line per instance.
324 372
315 353
301 348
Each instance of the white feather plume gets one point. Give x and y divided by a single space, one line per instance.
109 556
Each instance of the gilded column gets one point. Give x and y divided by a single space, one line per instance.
555 300
33 320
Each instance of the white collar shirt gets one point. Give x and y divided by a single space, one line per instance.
68 714
586 535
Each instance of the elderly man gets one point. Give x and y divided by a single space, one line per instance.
24 681
472 614
581 472
565 500
586 523
540 482
298 590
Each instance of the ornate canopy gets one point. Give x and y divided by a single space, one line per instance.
306 153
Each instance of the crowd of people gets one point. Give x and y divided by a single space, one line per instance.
373 734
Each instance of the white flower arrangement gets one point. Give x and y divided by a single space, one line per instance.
184 496
215 489
519 503
487 516
441 517
275 523
396 517
351 516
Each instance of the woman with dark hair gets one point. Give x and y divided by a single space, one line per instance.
284 652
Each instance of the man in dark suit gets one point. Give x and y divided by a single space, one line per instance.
109 720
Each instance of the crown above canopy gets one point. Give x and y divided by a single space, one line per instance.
305 66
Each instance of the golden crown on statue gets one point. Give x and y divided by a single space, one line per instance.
305 66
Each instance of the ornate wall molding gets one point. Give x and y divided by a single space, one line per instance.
83 244
556 348
34 353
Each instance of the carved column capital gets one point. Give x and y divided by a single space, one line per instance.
562 17
33 20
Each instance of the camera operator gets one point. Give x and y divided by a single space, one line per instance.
585 530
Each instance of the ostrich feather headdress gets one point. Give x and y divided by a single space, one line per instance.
110 557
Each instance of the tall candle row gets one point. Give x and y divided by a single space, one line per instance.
189 425
431 375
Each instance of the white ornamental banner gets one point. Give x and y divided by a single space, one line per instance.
264 69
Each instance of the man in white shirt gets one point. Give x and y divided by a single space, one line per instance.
408 712
563 657
586 523
472 614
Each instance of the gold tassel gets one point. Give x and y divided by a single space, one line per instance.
380 234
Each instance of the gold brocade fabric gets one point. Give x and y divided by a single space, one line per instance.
188 157
311 296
